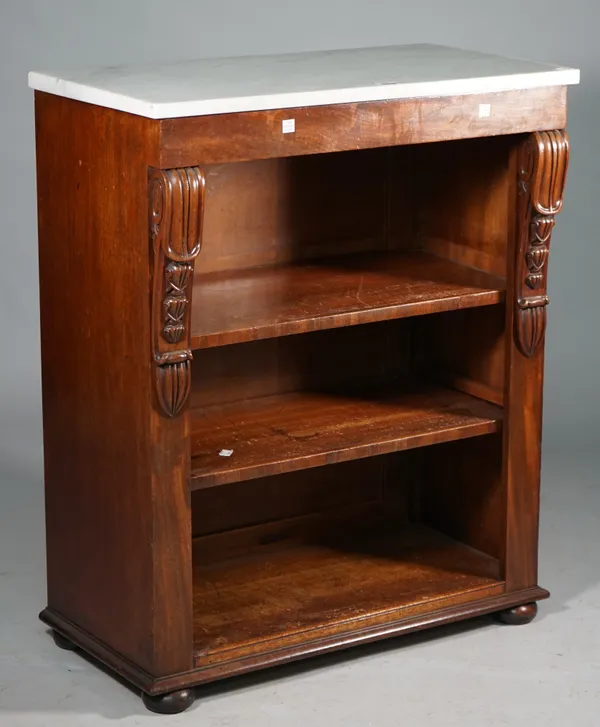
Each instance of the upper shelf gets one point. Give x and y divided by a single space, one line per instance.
255 83
276 301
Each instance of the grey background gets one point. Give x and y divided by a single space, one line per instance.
547 672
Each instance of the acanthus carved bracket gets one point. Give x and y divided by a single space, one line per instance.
543 162
176 211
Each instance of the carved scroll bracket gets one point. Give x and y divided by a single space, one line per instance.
543 162
176 207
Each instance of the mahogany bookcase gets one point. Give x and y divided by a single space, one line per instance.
292 368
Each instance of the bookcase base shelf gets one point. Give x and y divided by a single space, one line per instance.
326 577
203 675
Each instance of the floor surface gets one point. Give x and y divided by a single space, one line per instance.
473 674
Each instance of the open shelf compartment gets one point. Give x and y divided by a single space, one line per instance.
280 405
384 555
334 585
330 240
248 305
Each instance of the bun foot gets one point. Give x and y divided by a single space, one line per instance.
62 642
170 703
519 615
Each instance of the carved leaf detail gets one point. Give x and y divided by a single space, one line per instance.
177 277
535 281
173 386
176 199
532 326
542 229
536 258
175 309
173 332
543 163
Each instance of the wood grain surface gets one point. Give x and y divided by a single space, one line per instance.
329 293
258 134
331 581
116 471
307 429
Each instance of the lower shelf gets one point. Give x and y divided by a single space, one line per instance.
326 584
288 432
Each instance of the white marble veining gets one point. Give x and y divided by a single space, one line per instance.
254 83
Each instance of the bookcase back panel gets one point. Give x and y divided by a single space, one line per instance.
461 492
275 211
455 488
352 357
453 199
334 489
447 350
465 199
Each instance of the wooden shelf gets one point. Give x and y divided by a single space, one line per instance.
335 581
277 301
288 432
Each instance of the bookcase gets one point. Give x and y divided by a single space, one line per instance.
292 380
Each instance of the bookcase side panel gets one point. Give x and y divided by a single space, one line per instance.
117 501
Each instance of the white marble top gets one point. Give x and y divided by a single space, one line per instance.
253 83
